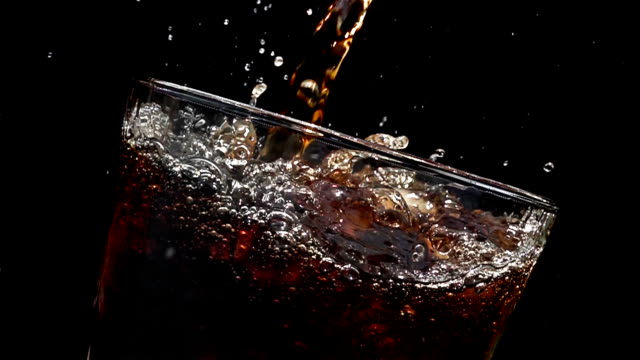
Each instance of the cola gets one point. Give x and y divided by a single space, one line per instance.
336 249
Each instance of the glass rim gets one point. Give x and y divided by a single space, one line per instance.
494 187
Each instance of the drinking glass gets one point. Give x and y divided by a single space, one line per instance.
244 234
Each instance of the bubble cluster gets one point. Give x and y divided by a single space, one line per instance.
391 142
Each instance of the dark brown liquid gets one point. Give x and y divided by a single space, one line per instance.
328 48
311 82
184 280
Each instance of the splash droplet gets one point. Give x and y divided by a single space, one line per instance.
309 12
247 67
262 42
438 154
170 37
548 167
505 163
258 90
278 61
286 77
49 54
225 22
261 51
384 120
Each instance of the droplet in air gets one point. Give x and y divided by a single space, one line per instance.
548 167
272 53
170 37
309 11
260 80
384 120
262 42
247 67
170 28
258 90
505 163
49 54
225 22
438 154
286 77
261 51
278 61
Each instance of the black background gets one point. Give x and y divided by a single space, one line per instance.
527 83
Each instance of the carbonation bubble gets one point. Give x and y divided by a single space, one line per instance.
350 273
